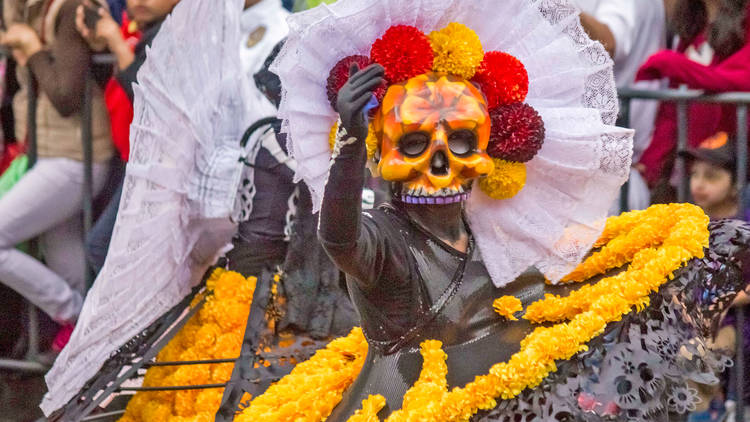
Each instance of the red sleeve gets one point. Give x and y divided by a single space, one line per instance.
732 74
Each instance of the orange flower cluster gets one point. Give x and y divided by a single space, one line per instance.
315 386
215 332
666 237
507 306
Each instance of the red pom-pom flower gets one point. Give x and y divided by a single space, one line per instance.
502 78
340 75
404 51
517 133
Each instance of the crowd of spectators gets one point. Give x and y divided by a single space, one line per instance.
49 45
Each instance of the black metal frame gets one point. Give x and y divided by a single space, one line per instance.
136 354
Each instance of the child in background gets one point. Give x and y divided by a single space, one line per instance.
713 185
103 33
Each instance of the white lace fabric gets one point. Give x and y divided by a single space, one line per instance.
179 190
577 174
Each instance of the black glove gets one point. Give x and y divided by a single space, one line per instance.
354 95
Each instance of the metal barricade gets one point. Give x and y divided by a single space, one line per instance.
682 97
30 363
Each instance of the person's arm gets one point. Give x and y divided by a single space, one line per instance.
61 71
352 245
732 74
104 35
600 32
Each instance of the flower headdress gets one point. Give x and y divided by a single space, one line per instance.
405 52
559 161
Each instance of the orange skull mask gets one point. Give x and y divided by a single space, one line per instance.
433 131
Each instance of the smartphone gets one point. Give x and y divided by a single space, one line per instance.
90 16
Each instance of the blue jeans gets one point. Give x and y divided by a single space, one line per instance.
97 240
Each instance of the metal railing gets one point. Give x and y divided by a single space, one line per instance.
682 98
31 362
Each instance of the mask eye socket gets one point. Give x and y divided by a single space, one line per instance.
414 144
462 142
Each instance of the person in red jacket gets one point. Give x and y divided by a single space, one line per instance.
713 55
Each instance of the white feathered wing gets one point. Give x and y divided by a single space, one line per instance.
179 188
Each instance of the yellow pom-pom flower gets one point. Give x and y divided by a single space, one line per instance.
458 50
507 306
505 181
371 142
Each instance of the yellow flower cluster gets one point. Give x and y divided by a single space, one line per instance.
458 50
215 332
371 142
505 181
314 387
369 411
507 306
681 230
647 230
432 383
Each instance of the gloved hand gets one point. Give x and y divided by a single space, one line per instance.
354 95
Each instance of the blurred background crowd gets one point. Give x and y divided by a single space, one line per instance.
56 50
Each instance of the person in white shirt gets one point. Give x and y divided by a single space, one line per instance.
630 31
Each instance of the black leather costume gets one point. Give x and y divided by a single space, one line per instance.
409 286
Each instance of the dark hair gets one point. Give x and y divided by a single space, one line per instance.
727 33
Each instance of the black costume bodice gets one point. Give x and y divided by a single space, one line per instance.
445 295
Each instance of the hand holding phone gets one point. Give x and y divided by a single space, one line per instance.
91 16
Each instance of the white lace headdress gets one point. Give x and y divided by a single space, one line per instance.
191 108
572 181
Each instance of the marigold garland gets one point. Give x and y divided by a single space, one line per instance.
686 236
505 181
507 306
651 230
215 332
314 387
458 50
429 398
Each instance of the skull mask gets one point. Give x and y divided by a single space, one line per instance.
433 131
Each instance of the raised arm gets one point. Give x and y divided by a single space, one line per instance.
733 74
353 245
